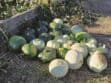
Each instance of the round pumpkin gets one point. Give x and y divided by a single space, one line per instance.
29 34
16 42
97 62
74 59
29 50
81 48
53 44
58 68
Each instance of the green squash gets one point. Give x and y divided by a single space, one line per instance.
47 55
82 36
72 37
62 52
29 50
55 33
57 23
16 42
54 25
46 37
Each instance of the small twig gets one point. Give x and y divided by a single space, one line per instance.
6 37
3 55
3 70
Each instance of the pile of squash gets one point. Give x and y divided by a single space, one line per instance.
62 46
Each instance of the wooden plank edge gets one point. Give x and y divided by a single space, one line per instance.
13 24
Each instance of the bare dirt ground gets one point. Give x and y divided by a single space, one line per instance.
102 26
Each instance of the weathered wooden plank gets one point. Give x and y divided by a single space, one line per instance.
14 24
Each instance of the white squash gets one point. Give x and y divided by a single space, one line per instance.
66 37
100 49
75 59
97 62
58 68
68 44
92 43
62 39
81 48
40 44
58 21
59 39
53 44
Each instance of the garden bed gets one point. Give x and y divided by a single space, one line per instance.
22 70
